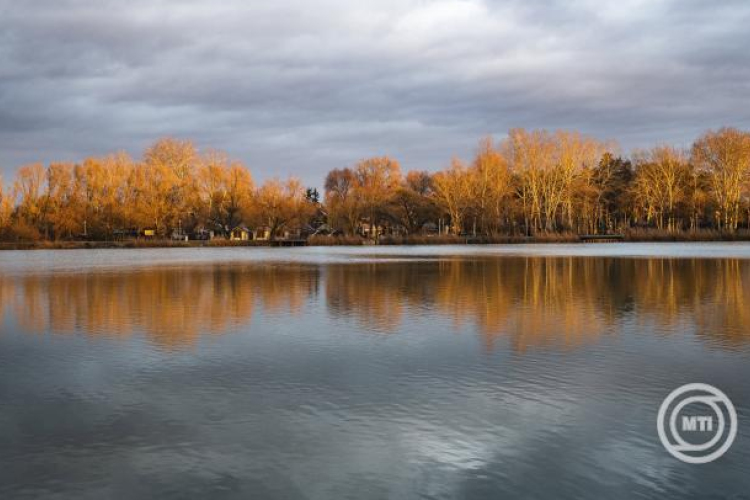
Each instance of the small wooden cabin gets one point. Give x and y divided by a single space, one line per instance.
240 233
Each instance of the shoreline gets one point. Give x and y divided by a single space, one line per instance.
637 237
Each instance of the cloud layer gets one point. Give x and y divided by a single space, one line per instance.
294 87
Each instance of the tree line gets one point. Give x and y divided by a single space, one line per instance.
530 183
172 189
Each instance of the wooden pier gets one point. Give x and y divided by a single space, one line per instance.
601 238
288 243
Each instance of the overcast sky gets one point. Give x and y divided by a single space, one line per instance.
302 86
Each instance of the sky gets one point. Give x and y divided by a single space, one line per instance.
301 87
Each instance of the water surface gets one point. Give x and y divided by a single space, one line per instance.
388 372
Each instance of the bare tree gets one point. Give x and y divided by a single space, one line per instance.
725 155
341 202
661 182
453 192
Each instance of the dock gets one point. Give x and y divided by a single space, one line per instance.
288 243
601 238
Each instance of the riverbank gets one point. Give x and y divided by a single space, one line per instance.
77 245
632 236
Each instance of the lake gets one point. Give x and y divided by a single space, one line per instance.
477 372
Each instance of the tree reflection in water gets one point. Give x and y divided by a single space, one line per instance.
530 301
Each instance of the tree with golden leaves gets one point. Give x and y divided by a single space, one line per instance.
64 203
281 205
453 193
170 165
238 195
30 187
156 204
7 203
375 181
577 156
725 155
103 197
491 185
531 157
211 189
661 182
224 192
341 202
177 156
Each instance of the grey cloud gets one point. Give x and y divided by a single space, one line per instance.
291 87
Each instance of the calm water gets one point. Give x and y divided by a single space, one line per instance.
367 373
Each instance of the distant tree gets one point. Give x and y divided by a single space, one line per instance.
412 205
312 195
280 205
211 189
7 203
662 177
491 187
531 157
612 187
111 196
224 192
725 156
171 166
340 199
698 198
577 155
65 206
453 193
30 187
156 196
99 203
177 156
238 195
375 181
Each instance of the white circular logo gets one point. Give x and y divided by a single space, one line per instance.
692 423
